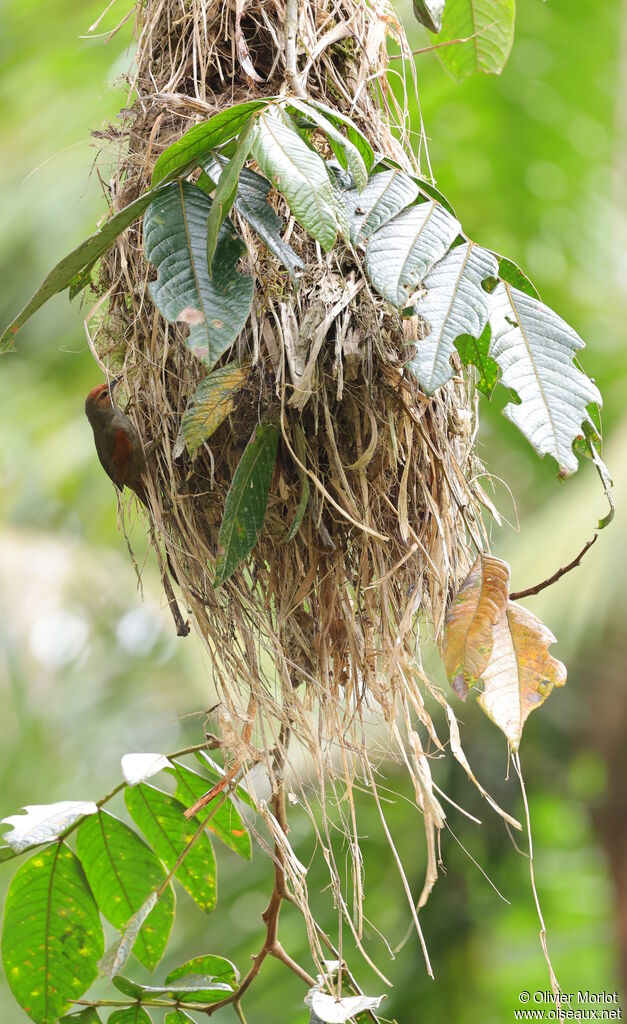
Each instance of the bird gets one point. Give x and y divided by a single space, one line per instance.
122 457
117 442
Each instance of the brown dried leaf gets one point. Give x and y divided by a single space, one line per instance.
480 603
521 673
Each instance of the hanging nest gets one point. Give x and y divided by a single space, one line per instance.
317 634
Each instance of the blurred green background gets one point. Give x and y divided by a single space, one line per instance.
535 163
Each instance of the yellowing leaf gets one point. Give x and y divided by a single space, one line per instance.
521 673
212 403
480 603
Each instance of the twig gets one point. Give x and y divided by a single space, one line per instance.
270 916
291 68
437 46
517 594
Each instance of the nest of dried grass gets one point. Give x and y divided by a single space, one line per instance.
319 632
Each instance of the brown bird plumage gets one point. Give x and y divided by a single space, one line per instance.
122 456
117 442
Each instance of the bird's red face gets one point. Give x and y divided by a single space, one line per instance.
100 398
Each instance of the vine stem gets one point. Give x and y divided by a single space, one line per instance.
270 916
517 594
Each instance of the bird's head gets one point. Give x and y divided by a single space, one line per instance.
99 404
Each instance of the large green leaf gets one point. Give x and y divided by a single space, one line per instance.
85 254
345 150
214 399
122 872
161 818
132 1015
209 965
298 173
177 1017
251 202
534 348
226 190
194 988
175 240
386 194
246 500
191 149
52 935
454 304
224 820
488 25
402 252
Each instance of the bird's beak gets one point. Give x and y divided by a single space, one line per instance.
113 383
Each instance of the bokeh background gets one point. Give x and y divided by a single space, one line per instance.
535 163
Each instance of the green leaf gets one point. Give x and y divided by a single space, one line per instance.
52 935
161 818
122 872
251 202
298 173
359 141
534 348
225 821
6 853
434 193
178 1017
226 190
132 1015
345 151
511 273
197 988
214 966
175 240
488 25
429 13
246 500
386 194
85 254
474 352
191 149
214 399
87 1016
454 304
43 822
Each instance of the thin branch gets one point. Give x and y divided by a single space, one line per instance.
517 594
445 42
270 916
